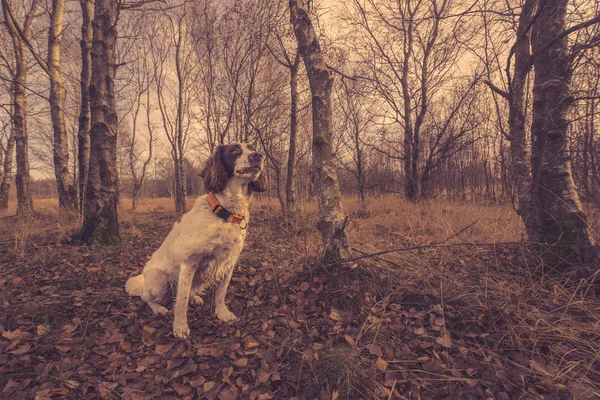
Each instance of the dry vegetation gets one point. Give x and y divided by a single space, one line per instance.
442 322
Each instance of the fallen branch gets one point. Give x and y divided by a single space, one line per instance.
429 246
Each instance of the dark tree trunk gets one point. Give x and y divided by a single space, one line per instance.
83 133
100 210
563 224
332 217
290 195
7 169
24 199
19 102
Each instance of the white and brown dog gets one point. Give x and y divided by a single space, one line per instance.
203 248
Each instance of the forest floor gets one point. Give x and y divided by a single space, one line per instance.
446 322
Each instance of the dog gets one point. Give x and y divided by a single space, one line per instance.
203 248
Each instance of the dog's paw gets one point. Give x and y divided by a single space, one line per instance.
223 314
196 300
162 311
181 331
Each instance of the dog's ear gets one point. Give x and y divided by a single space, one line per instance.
214 173
261 184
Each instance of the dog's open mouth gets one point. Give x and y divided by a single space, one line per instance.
248 170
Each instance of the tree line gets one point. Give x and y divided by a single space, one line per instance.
426 99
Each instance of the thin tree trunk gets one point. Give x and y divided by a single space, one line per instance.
19 102
83 133
7 169
64 182
410 186
24 199
516 120
100 214
180 192
290 195
563 224
332 217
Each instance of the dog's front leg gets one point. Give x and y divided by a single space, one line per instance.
181 329
221 309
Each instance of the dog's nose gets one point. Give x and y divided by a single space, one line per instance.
254 157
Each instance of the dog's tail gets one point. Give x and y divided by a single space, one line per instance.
134 285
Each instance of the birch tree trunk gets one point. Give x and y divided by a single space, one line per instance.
101 223
521 163
83 132
290 195
64 181
332 216
563 224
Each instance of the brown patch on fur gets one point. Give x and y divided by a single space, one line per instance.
215 173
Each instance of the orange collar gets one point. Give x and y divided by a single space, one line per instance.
224 213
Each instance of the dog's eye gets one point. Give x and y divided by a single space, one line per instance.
236 150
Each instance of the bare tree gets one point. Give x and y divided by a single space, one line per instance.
563 224
7 131
143 81
175 72
64 181
56 99
7 148
292 63
358 120
18 31
517 136
548 200
408 52
332 218
83 132
101 224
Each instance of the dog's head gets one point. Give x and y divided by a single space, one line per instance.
238 160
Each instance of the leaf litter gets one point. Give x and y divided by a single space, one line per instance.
68 330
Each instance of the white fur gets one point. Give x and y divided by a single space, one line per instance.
201 249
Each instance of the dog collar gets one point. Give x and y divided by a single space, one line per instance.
224 213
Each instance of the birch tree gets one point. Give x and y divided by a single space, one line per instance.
563 224
175 60
83 131
332 216
19 30
101 224
7 148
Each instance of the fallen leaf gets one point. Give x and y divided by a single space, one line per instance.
250 342
72 384
162 349
381 364
241 362
21 350
10 387
350 341
42 329
208 386
335 315
445 340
